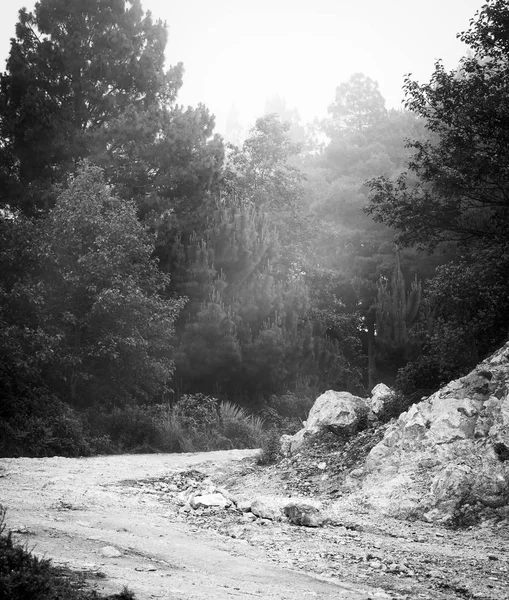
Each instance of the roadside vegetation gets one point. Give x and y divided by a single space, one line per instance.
164 290
24 576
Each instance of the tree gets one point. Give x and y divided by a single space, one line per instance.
97 295
358 104
73 66
249 330
396 312
277 105
261 171
456 187
87 79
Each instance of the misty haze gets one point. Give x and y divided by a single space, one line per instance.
254 300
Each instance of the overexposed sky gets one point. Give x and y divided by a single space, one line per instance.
241 52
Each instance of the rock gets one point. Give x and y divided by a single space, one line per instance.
297 441
340 412
110 552
381 398
249 516
210 500
244 505
286 442
446 451
267 508
226 494
303 513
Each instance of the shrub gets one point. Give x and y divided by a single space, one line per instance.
41 425
172 436
197 411
287 412
24 576
271 448
238 427
129 428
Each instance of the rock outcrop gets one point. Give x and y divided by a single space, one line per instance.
340 412
381 399
448 451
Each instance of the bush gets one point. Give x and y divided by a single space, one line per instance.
172 436
24 576
129 428
41 425
287 412
240 429
271 448
197 411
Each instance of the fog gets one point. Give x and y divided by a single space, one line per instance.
238 55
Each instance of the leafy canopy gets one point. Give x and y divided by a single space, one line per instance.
457 184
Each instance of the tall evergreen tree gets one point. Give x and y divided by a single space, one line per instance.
86 78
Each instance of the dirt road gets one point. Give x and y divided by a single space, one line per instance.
73 510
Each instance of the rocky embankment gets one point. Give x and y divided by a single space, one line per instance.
444 460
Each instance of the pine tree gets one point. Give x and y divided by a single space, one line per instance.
396 311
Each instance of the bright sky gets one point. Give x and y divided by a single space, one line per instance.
242 52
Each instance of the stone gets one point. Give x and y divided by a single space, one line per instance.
267 508
286 442
446 451
304 513
381 398
226 494
215 500
340 412
244 505
110 552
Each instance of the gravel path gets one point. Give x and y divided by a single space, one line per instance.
81 513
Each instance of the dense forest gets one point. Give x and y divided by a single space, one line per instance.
161 289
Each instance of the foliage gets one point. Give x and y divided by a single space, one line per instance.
287 412
456 187
271 448
87 80
73 67
467 318
41 425
23 575
396 313
242 429
195 423
358 104
99 296
247 329
197 412
455 190
261 171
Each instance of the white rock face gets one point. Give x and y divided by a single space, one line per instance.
268 508
210 500
381 397
340 412
448 450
